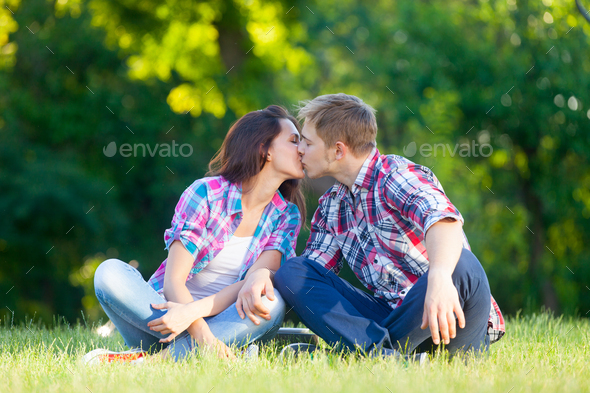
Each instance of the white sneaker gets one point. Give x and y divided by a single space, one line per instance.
421 358
134 356
251 353
293 350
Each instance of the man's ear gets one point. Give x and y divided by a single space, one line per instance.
341 150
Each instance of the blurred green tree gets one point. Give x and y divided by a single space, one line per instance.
514 76
76 76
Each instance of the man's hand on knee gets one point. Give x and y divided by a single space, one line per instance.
441 305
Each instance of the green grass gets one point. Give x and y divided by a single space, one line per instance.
539 353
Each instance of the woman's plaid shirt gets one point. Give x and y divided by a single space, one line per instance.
208 213
379 227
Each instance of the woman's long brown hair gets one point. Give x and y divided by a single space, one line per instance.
240 158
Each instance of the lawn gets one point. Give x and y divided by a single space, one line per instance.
538 353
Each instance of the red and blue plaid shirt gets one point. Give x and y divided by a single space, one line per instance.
208 213
379 227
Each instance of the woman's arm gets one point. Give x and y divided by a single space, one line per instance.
257 281
216 303
178 266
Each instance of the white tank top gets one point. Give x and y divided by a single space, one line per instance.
222 271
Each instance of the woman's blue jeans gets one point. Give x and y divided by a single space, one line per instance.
126 299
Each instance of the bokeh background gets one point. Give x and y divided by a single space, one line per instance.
77 75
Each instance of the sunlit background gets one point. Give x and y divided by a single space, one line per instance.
76 76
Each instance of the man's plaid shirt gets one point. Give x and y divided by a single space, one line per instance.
379 227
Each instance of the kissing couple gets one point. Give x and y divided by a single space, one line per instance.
232 271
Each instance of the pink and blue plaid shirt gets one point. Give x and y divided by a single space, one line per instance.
208 213
379 227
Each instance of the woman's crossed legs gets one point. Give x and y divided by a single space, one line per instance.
126 299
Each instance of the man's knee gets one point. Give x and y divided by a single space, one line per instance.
290 269
468 266
469 275
291 275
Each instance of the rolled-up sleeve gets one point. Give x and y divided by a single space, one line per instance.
284 238
417 194
322 246
189 224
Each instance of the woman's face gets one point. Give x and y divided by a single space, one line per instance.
284 153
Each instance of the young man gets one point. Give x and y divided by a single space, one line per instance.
390 219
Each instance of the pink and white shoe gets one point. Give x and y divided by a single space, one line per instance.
134 356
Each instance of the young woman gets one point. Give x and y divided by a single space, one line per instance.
230 232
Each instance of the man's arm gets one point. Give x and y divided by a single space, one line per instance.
444 242
258 282
322 247
415 192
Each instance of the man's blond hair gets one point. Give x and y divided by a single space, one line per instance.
342 117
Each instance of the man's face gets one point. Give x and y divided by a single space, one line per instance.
314 155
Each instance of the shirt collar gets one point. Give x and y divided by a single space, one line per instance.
364 179
234 199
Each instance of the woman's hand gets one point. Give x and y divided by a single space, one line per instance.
174 322
249 300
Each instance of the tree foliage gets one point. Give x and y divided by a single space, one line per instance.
77 75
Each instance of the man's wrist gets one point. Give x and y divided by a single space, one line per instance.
272 272
439 272
264 270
